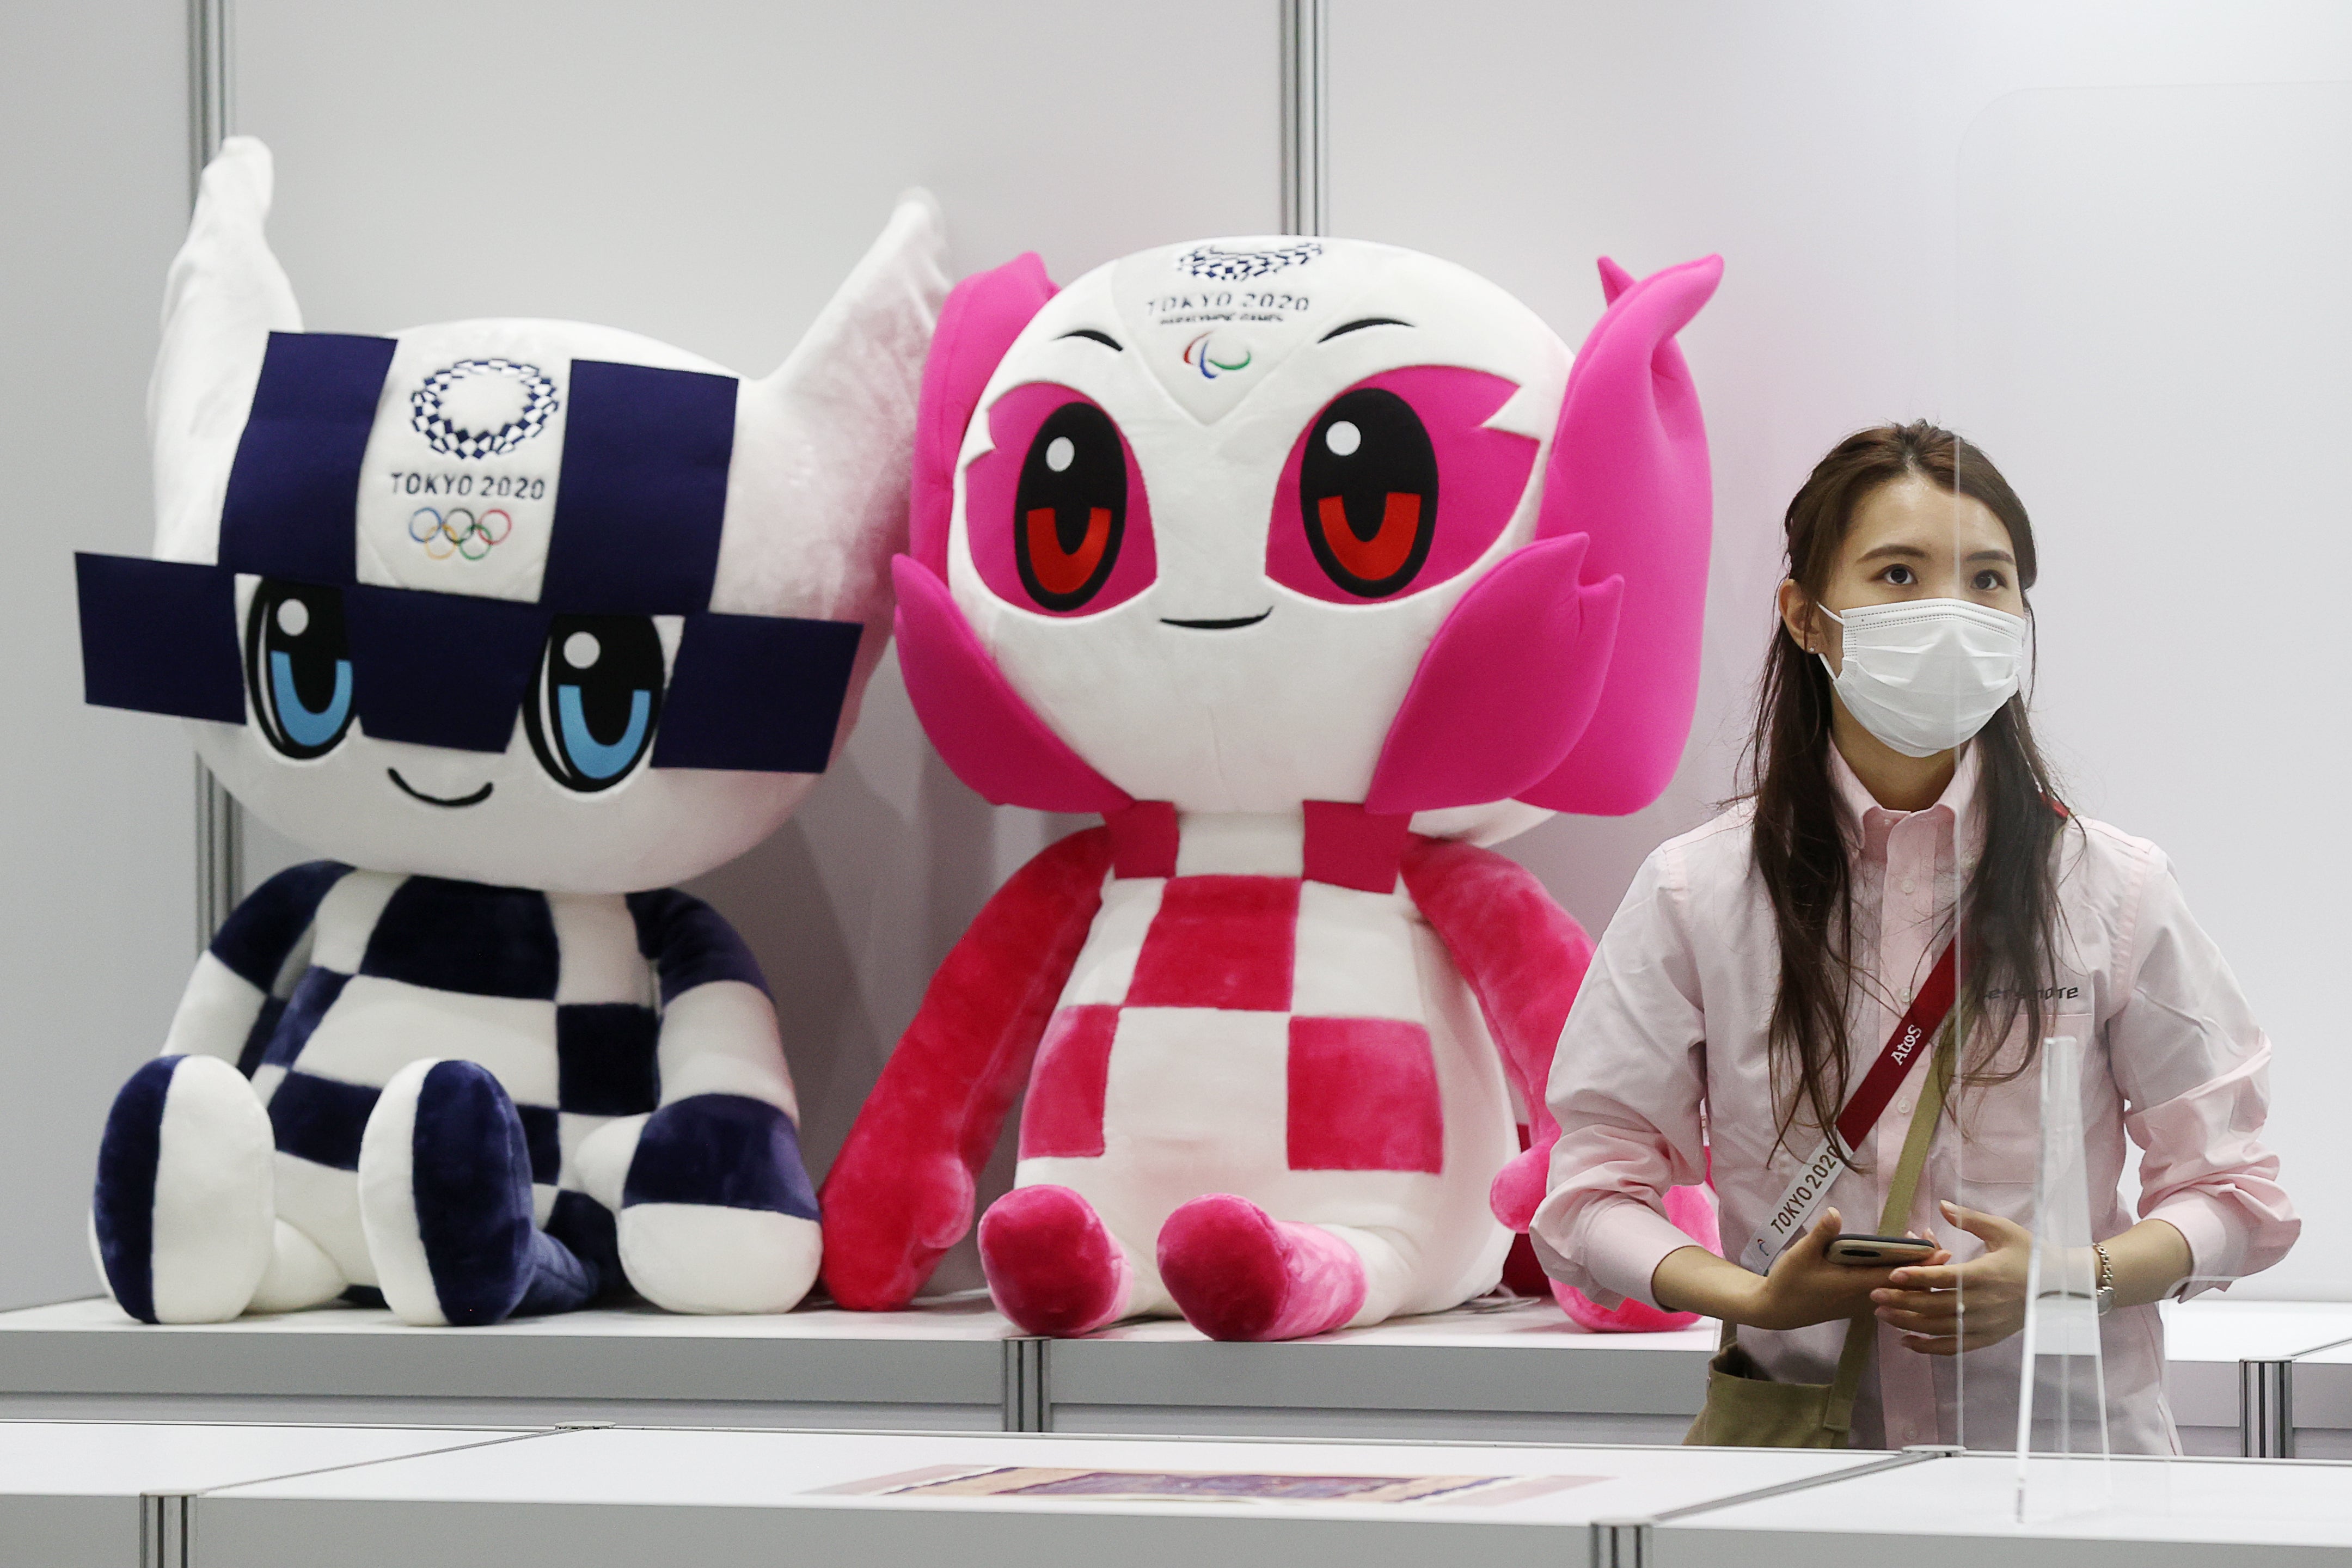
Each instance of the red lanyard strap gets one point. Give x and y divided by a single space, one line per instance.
1926 1015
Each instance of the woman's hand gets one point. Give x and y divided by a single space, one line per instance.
1942 1309
1807 1287
1804 1287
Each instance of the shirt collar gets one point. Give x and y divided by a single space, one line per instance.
1954 809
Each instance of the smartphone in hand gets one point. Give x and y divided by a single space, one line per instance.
1880 1252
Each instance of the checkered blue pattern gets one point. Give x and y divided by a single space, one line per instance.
564 1012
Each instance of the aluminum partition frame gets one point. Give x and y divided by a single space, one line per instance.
1306 116
220 827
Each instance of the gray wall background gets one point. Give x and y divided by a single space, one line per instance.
1907 234
96 805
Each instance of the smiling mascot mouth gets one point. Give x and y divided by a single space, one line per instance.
453 802
1234 624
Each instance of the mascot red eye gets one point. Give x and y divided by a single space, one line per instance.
1056 512
1070 507
1368 492
1358 512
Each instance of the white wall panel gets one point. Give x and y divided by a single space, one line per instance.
2154 335
706 173
2133 301
95 805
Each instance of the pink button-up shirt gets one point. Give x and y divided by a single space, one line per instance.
1664 1061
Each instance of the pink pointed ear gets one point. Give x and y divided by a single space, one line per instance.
1614 280
994 740
982 317
1507 687
1629 469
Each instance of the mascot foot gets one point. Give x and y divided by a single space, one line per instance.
183 1218
1237 1273
1052 1267
446 1203
717 1214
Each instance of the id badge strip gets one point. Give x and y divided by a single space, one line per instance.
1809 1192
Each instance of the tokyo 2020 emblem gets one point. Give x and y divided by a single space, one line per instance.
1239 264
473 385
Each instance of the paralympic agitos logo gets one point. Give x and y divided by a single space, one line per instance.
1203 355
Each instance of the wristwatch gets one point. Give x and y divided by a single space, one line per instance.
2105 1293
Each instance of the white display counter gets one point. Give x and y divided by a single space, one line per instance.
1958 1512
2321 1409
637 1496
1516 1372
2225 1361
292 1497
1494 1371
1520 1372
939 1369
74 1494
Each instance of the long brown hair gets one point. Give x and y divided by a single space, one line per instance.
1803 832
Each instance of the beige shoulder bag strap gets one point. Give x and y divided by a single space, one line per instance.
1745 1409
1862 1333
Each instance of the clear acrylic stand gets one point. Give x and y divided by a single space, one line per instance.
2062 1399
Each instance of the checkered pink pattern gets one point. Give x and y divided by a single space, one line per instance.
1362 1090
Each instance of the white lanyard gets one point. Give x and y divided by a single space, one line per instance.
1795 1213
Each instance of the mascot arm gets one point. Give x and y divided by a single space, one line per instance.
719 1033
1524 957
900 1192
243 978
715 1210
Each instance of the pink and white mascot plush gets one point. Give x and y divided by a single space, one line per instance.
1310 565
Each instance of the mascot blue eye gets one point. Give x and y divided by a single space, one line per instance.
298 662
590 755
302 726
592 710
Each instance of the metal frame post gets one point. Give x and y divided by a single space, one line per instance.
1306 117
220 836
2267 1409
166 1530
1621 1542
1028 1407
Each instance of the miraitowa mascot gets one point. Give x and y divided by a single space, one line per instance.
520 621
1311 565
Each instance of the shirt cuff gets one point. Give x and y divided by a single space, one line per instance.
2205 1226
1617 1243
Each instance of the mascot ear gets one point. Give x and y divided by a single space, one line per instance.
983 316
816 500
1629 470
1614 280
225 296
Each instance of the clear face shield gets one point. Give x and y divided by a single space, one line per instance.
2094 359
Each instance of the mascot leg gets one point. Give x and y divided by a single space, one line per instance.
1053 1266
181 1220
301 1275
716 1212
1237 1273
445 1204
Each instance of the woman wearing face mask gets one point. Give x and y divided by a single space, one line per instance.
1788 969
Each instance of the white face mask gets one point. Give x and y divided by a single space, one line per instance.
1925 675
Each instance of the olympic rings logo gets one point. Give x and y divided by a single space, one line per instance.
460 533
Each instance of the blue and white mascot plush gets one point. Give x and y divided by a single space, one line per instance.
521 622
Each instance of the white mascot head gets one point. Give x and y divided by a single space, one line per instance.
521 602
